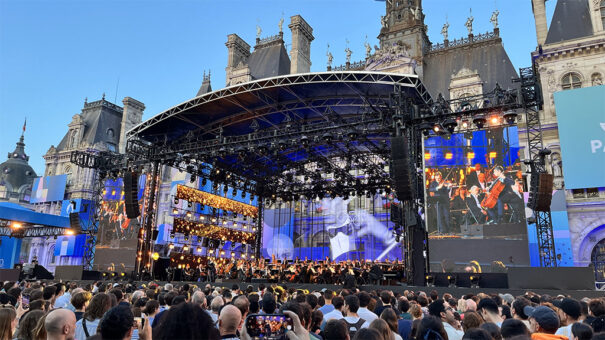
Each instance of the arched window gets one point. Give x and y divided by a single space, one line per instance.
603 13
72 143
571 80
68 172
598 259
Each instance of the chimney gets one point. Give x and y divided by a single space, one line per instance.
539 9
238 51
300 54
131 116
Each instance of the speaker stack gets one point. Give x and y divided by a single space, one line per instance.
131 182
541 195
400 169
74 221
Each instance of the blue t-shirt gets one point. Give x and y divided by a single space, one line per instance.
325 309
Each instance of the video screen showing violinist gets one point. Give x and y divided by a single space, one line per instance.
474 185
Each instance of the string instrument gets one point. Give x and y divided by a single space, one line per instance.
491 199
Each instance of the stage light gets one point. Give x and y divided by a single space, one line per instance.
222 252
176 200
254 229
175 211
510 117
470 155
189 214
352 135
452 280
479 121
155 256
185 247
474 281
171 246
436 128
16 225
211 251
430 280
224 222
189 205
494 120
198 249
304 141
182 257
243 256
425 128
427 156
232 254
465 124
449 155
252 257
493 154
450 125
186 237
69 232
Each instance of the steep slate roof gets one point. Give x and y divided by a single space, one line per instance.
98 117
488 58
269 60
205 88
571 20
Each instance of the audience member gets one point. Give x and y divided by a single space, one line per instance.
60 324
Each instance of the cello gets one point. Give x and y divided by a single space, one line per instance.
491 199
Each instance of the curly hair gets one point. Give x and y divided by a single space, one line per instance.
97 307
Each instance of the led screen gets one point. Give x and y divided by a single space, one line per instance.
48 189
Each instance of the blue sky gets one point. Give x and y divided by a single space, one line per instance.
53 54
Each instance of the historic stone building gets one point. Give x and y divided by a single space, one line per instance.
571 54
16 175
100 126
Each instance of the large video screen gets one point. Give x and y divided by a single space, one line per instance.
358 228
581 116
475 209
114 226
48 189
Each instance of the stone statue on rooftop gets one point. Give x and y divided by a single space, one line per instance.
349 53
494 18
330 56
444 29
469 23
383 21
281 24
258 31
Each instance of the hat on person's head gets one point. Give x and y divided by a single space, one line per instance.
571 307
115 285
508 298
544 316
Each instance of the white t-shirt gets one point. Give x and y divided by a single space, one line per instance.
565 330
352 320
335 314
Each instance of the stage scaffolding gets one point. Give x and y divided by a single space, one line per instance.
276 138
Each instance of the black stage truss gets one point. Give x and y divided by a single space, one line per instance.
313 135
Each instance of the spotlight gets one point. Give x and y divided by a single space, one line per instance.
175 211
155 256
189 214
69 232
327 137
451 279
449 155
304 141
510 117
470 155
437 128
425 128
198 249
185 248
479 121
465 124
176 200
427 156
494 120
430 280
352 135
189 205
171 246
16 225
450 125
474 281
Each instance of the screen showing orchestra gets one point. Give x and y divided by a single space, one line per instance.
473 183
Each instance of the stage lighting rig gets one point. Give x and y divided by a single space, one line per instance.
450 125
510 116
479 121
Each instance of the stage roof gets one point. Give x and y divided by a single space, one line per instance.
14 212
265 103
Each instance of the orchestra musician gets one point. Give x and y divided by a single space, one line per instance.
476 215
509 194
439 190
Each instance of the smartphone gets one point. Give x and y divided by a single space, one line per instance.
25 301
269 326
140 321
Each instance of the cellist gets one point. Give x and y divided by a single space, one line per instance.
500 190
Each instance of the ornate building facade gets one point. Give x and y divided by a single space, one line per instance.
571 54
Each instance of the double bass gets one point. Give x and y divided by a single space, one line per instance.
491 199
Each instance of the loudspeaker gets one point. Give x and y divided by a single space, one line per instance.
400 168
93 275
130 194
544 192
74 222
540 193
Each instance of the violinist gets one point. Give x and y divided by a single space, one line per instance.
439 189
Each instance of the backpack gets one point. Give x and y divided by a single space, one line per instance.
354 327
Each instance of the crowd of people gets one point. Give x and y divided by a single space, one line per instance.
129 310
